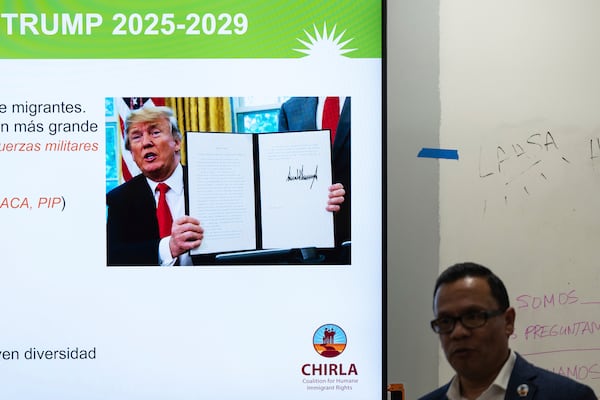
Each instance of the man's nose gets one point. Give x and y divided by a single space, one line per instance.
147 140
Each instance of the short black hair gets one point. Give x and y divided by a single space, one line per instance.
461 270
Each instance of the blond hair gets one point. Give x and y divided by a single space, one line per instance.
149 114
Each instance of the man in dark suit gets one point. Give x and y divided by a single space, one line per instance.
474 321
133 235
305 113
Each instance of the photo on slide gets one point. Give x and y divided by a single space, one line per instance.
265 179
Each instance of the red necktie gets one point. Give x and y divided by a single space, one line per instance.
163 214
331 115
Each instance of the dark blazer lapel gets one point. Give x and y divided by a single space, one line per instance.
343 129
146 205
521 385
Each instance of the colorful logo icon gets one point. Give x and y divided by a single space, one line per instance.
329 340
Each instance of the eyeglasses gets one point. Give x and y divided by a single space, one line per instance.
470 320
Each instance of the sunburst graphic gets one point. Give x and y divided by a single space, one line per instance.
325 44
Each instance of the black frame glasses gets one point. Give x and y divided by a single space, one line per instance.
470 320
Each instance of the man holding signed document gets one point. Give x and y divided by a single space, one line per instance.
147 222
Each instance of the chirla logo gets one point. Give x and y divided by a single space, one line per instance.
329 340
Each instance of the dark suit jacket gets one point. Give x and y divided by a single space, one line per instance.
299 114
542 385
132 227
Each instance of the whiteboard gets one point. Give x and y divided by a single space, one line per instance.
520 101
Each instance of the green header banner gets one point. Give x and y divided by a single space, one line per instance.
68 29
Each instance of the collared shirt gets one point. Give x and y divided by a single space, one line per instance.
321 105
496 391
176 202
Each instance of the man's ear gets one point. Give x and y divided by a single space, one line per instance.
509 321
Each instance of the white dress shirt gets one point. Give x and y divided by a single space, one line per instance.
176 201
496 391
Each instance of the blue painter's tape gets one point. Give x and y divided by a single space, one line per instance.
438 153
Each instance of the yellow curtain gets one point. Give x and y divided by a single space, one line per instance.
200 114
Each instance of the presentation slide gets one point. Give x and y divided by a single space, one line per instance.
110 286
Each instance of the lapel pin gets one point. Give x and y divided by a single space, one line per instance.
522 390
